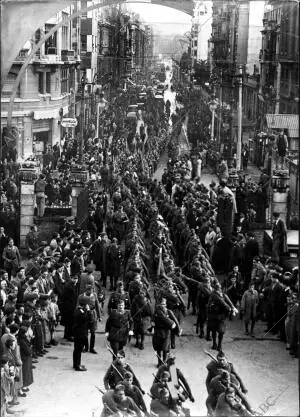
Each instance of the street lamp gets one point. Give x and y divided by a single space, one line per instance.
213 107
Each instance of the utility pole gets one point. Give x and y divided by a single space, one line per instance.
220 109
240 113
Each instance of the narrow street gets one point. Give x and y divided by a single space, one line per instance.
268 371
266 368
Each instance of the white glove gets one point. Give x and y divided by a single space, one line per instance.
173 326
130 333
106 334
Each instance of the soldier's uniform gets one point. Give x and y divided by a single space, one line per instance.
115 375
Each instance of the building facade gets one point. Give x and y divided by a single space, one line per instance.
46 93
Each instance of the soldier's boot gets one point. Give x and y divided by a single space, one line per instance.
137 343
246 329
214 338
141 346
208 338
201 335
159 363
220 338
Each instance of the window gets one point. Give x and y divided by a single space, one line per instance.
48 82
195 53
41 82
65 31
44 82
83 39
64 80
51 43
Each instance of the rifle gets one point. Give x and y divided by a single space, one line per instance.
211 356
105 405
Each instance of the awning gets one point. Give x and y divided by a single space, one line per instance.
50 113
46 114
284 121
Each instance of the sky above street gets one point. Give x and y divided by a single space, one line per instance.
163 18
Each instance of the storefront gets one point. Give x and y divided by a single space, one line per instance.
42 135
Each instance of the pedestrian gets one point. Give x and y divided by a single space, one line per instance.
68 303
39 189
249 306
80 331
24 341
279 236
12 258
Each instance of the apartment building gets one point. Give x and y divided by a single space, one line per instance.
46 93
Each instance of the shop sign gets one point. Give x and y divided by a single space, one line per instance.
69 122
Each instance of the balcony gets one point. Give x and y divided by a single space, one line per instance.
51 57
68 55
23 54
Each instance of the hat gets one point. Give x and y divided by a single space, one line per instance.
31 281
276 214
221 355
212 184
90 268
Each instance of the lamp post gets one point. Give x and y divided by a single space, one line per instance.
213 107
81 143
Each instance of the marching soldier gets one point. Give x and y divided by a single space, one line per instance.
118 327
218 310
217 386
203 294
117 370
134 392
117 403
141 313
113 261
229 404
164 322
116 296
220 364
175 375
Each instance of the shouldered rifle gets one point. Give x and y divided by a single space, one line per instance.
211 356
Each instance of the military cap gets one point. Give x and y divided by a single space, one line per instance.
221 355
121 353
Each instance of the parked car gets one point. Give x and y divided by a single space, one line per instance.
291 260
